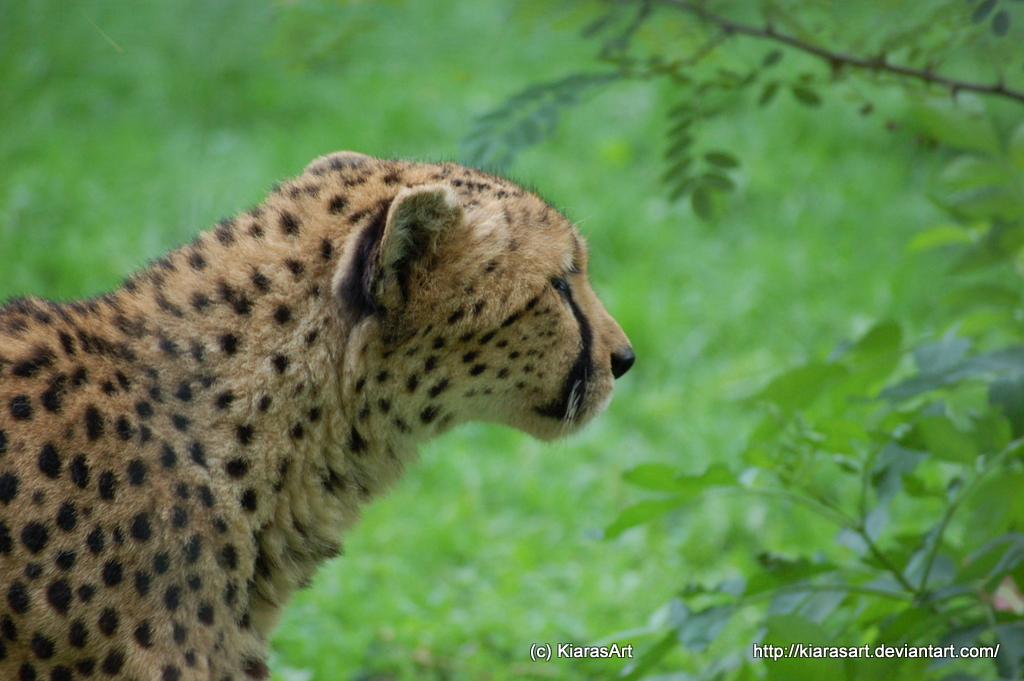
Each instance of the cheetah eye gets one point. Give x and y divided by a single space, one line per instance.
561 285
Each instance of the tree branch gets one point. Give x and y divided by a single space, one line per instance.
839 59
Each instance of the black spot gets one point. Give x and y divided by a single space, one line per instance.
49 462
197 453
468 357
298 431
86 592
124 428
205 613
511 319
477 369
144 635
61 673
108 621
283 314
244 434
18 598
229 343
3 442
161 563
256 668
8 487
140 528
264 404
33 570
314 415
456 316
439 388
295 267
502 373
94 423
261 282
59 595
430 364
30 367
356 443
311 336
280 363
77 634
236 468
95 541
479 307
206 496
289 224
170 673
184 392
248 500
6 543
42 646
228 557
412 383
21 407
112 573
35 537
486 338
67 517
65 560
143 409
172 598
107 483
200 301
225 399
113 662
429 413
326 249
193 548
168 458
136 472
196 260
51 397
179 517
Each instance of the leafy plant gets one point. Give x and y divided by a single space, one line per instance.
914 454
714 57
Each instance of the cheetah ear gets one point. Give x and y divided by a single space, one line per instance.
374 275
416 219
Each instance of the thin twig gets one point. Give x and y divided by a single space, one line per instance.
836 59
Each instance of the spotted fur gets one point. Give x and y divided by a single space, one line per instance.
177 456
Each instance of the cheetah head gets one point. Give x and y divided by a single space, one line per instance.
468 299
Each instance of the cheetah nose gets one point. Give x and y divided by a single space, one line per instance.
621 361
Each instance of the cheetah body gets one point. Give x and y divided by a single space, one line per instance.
177 456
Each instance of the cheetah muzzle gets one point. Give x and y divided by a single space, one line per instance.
177 456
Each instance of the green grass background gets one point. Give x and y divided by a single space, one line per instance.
126 127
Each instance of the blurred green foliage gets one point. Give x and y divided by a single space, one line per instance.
851 207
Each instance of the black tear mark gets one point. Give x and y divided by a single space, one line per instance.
581 368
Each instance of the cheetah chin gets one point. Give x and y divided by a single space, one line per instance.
178 456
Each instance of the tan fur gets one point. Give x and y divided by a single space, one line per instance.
178 456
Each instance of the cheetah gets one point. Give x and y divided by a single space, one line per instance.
178 456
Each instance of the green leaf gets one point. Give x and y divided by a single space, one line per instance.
1001 23
1007 393
772 58
650 657
721 159
797 388
1015 148
983 295
961 124
768 93
982 11
806 95
884 338
642 512
701 202
938 236
778 571
699 629
968 171
943 439
664 478
717 181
